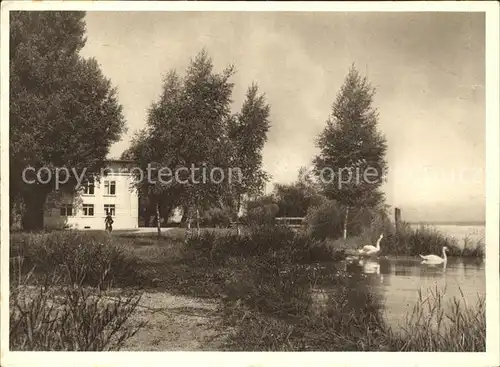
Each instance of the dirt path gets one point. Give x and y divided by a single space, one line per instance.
176 323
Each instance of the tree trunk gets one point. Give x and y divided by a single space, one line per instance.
345 222
16 212
151 214
397 218
197 221
185 213
238 208
158 219
34 201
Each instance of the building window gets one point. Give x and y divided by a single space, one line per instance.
110 187
88 210
109 209
66 210
89 187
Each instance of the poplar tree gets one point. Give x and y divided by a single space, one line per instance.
351 163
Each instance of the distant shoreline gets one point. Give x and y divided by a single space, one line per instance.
445 223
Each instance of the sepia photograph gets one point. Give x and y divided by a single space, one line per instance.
253 180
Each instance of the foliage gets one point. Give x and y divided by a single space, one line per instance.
341 324
51 316
268 281
275 307
248 133
56 96
78 257
187 127
191 125
372 220
324 221
351 163
261 211
216 217
295 199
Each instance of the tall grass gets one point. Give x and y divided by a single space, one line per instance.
49 318
59 293
437 326
472 248
415 241
429 240
409 241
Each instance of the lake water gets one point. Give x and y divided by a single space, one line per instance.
397 280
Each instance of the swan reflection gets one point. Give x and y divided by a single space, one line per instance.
371 266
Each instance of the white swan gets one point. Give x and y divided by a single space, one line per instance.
370 250
434 259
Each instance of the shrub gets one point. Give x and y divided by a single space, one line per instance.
216 217
269 286
201 243
277 311
264 241
324 221
258 240
82 258
261 211
319 251
272 237
343 318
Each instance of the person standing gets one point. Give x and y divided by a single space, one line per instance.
109 222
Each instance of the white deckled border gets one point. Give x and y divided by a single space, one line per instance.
490 358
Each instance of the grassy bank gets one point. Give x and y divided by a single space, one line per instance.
266 282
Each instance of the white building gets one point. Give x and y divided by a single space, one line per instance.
113 194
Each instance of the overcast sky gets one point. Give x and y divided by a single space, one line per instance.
428 69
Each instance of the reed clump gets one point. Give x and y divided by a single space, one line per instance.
434 325
409 241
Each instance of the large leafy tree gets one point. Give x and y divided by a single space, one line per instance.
63 111
351 163
187 127
150 148
248 134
